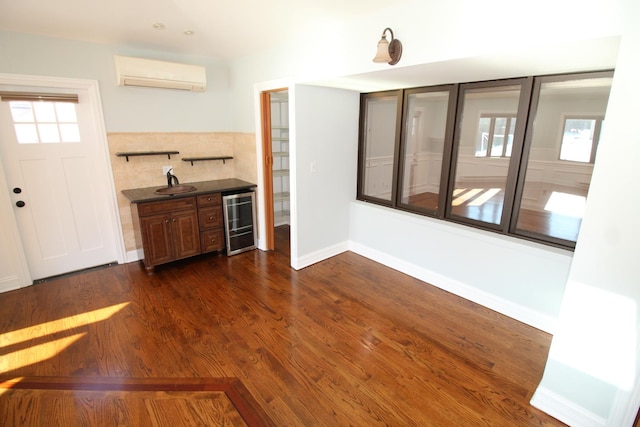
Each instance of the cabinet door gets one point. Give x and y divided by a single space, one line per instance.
186 235
156 238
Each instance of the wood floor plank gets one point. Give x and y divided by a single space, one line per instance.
342 342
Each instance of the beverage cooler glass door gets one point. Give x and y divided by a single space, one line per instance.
240 224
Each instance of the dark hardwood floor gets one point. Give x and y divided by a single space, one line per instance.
342 342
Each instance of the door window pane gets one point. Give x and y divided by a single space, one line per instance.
486 135
423 144
566 126
379 136
44 122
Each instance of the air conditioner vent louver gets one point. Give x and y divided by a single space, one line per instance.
132 71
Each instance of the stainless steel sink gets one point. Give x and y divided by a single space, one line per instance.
176 189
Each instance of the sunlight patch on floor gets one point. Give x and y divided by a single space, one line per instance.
53 337
566 204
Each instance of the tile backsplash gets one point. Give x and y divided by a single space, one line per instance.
146 171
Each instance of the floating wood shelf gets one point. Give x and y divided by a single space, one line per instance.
201 159
146 153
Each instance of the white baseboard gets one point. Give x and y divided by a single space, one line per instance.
321 255
508 308
134 255
565 410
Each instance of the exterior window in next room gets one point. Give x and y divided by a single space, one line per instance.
495 135
564 127
580 139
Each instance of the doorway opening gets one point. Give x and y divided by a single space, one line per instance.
275 138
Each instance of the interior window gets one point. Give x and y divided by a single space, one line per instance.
486 120
379 133
513 156
44 122
426 115
554 188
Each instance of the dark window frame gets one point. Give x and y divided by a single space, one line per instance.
525 84
446 154
527 106
531 117
362 159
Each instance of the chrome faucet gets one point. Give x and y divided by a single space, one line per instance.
171 179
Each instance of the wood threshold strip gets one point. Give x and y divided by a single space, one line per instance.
232 387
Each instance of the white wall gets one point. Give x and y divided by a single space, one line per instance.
325 149
523 280
126 109
594 363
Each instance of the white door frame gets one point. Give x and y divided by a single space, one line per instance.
95 104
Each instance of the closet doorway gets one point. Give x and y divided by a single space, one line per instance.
275 139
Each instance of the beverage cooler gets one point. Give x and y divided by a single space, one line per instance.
240 222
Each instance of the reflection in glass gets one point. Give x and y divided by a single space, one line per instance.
379 145
562 149
423 144
484 149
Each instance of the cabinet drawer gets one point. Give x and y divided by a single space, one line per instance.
210 199
210 217
163 206
212 240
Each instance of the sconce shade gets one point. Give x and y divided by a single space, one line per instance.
389 52
383 51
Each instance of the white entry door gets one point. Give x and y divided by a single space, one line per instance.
56 182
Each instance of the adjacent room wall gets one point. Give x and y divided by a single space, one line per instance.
326 124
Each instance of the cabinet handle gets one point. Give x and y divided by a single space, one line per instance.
209 199
210 217
174 220
213 240
166 221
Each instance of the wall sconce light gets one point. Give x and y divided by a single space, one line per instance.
389 52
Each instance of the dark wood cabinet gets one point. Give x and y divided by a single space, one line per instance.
179 228
169 230
211 222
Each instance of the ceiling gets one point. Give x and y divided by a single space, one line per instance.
227 30
220 29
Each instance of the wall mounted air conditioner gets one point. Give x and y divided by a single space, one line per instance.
132 71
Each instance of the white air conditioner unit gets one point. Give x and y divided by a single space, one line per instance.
153 73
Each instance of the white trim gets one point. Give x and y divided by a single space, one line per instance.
22 275
95 103
321 255
515 311
565 410
134 255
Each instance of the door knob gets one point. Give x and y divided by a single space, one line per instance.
17 190
20 203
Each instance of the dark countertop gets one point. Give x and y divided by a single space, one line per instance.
231 185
